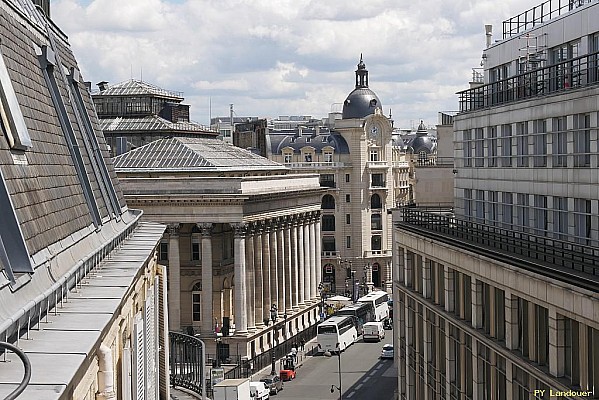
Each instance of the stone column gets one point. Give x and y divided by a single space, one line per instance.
250 275
477 372
426 278
288 267
281 256
408 260
208 324
511 320
266 271
410 348
307 260
313 269
557 329
449 298
318 249
301 261
294 266
240 295
427 350
274 256
477 303
258 277
174 265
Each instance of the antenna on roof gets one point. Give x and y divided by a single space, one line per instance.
131 69
141 73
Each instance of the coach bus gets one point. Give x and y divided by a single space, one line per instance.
336 333
362 311
378 299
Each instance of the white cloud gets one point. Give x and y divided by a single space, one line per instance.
286 57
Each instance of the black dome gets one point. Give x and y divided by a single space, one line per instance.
360 103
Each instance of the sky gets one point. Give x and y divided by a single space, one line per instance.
287 57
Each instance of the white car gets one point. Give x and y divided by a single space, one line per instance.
387 351
259 391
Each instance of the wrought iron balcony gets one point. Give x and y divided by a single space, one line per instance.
187 362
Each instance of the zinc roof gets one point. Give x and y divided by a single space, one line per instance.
136 88
150 123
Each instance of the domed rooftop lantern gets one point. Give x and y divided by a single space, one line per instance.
362 101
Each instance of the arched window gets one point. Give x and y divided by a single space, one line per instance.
376 222
375 202
196 302
328 202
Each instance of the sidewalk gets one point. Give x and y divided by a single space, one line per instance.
302 357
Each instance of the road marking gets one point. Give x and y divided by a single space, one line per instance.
349 395
358 386
367 378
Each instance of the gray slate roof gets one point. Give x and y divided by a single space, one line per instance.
281 139
150 123
192 154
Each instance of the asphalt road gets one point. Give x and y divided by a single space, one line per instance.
363 376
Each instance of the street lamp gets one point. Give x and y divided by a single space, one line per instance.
273 317
329 354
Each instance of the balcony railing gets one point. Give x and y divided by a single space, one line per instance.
377 253
330 253
317 165
539 14
187 362
573 263
574 73
377 164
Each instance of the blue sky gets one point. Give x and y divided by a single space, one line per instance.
287 57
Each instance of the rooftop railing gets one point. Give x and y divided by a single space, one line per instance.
539 14
567 75
573 263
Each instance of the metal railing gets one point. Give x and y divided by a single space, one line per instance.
187 362
539 14
573 73
569 262
26 374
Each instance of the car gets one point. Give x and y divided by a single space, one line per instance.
273 382
287 374
387 351
259 391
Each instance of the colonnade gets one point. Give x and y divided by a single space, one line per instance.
276 262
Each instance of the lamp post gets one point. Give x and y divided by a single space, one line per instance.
273 317
333 387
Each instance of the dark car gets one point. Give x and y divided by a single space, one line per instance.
273 382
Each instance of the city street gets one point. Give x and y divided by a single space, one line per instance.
363 374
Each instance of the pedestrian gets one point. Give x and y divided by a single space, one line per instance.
302 343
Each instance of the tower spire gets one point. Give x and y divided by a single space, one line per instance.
361 74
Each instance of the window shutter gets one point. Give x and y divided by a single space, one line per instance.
139 368
150 328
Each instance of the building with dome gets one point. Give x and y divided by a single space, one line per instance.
360 162
499 299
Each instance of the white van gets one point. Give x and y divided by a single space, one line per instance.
373 331
259 391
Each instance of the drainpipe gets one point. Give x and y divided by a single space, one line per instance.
105 374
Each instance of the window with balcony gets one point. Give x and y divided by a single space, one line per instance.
287 158
327 180
328 156
376 222
328 223
376 243
328 243
328 202
560 217
375 202
582 220
522 211
507 207
374 155
540 214
377 180
308 157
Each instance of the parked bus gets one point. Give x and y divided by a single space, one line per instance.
336 333
378 299
362 311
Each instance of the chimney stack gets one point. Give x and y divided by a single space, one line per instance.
102 86
489 34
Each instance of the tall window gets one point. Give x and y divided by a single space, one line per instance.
348 219
348 242
375 202
582 140
196 302
468 202
287 157
328 202
467 143
328 156
540 214
376 222
507 209
328 222
377 180
479 147
523 211
582 220
559 138
506 145
376 242
328 243
539 128
594 59
374 155
163 253
522 143
480 205
493 206
195 248
560 217
492 146
327 180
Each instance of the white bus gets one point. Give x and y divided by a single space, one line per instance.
362 311
336 333
379 300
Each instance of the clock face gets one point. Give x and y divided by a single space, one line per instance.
374 132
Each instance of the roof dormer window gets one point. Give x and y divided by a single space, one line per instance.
13 123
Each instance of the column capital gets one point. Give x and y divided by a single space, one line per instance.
240 229
173 229
205 228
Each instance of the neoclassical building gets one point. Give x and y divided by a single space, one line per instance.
356 156
242 237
